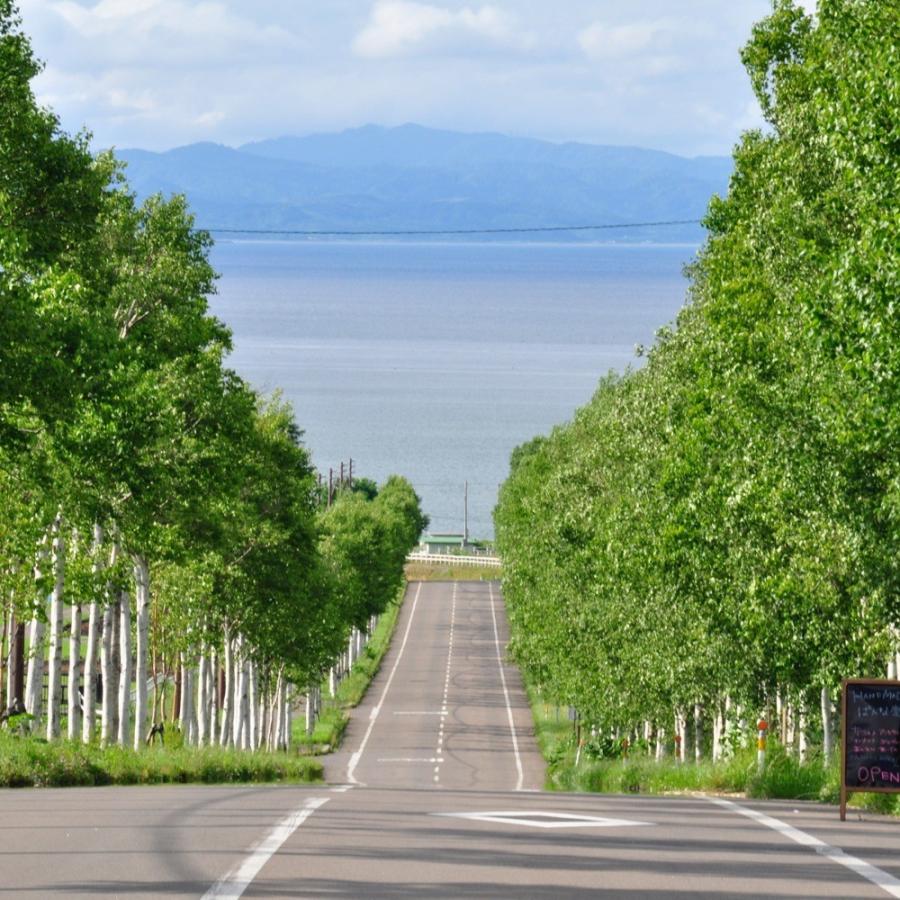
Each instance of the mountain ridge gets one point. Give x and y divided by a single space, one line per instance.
415 178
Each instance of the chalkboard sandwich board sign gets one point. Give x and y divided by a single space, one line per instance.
870 732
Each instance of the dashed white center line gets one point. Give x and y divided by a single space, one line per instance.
444 709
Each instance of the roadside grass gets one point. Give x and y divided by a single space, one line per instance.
785 777
449 572
32 762
332 722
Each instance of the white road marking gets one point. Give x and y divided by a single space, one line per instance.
241 877
443 713
411 759
355 758
512 725
887 882
544 819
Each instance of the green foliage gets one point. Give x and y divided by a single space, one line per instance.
725 521
117 408
331 724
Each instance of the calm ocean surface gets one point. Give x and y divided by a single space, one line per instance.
435 360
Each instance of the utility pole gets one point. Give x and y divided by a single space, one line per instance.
330 484
350 476
466 514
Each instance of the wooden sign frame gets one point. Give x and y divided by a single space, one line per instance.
846 789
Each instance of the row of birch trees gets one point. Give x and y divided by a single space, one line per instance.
715 536
163 547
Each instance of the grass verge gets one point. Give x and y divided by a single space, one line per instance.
785 777
32 762
332 722
450 572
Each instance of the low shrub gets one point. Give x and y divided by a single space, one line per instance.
31 762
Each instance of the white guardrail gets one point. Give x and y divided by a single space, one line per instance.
490 562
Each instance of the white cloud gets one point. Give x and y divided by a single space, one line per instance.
604 41
402 27
164 31
158 73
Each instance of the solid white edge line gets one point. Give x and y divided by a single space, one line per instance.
512 725
373 717
887 882
241 877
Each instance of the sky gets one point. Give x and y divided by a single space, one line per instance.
155 74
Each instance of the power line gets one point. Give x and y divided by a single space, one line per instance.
411 232
398 232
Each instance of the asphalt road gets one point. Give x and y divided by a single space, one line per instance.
435 797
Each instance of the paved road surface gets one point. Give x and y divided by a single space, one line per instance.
434 797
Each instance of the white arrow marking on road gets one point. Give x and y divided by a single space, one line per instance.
544 819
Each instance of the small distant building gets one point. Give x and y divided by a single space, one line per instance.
442 543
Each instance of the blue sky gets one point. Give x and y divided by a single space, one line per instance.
159 73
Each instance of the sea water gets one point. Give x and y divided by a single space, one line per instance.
434 361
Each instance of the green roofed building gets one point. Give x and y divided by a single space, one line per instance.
442 543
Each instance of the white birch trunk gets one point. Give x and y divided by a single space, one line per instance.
240 690
263 720
186 712
124 712
142 615
10 687
34 685
802 745
107 676
89 703
203 701
54 690
310 713
213 698
288 715
252 707
827 726
332 682
228 664
279 712
74 681
718 733
660 743
679 738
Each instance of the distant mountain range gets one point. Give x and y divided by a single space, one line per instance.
383 179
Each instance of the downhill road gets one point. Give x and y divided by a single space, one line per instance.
436 795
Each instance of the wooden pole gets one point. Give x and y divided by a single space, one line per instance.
466 514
